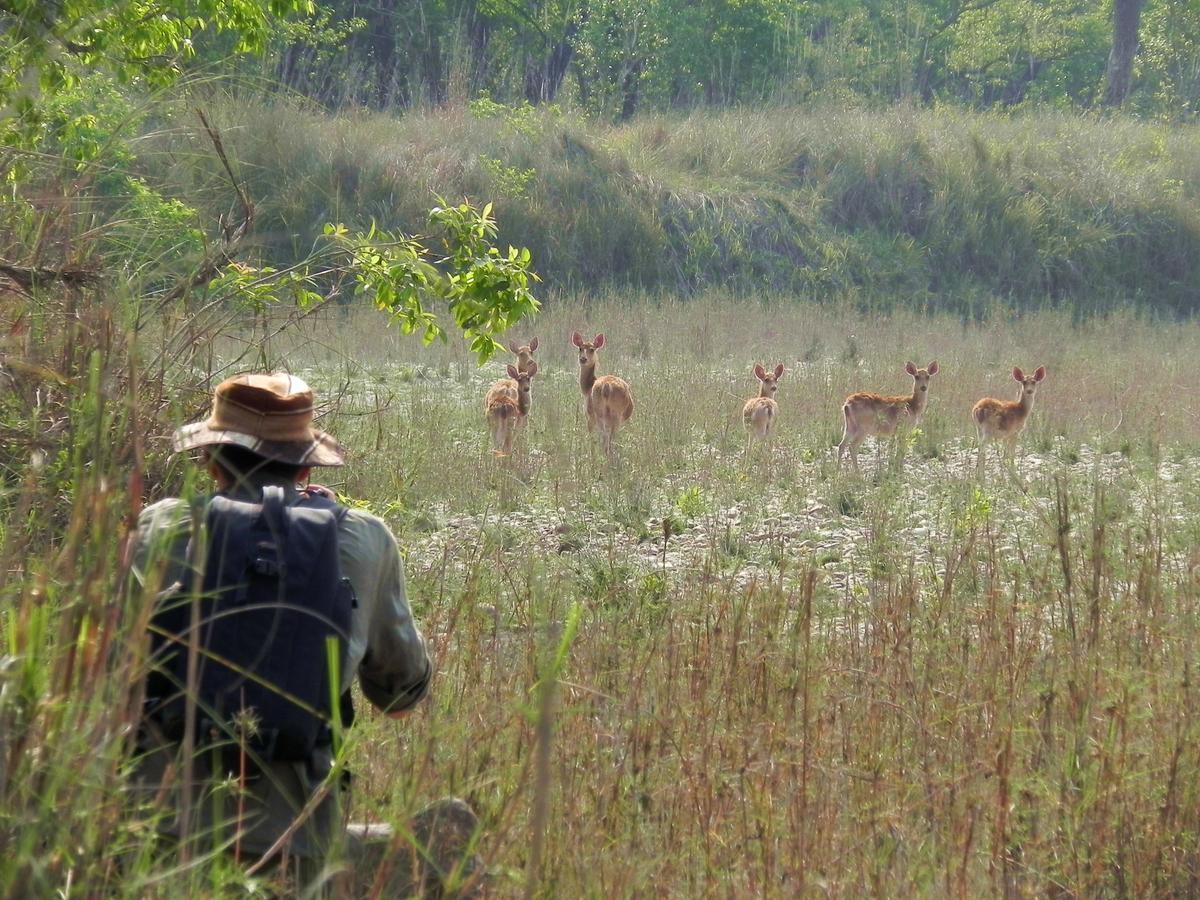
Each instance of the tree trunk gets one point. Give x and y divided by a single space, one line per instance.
479 32
1118 77
631 90
544 77
379 42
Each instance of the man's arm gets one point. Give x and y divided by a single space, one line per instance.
160 546
395 671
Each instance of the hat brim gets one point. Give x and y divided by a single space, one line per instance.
322 450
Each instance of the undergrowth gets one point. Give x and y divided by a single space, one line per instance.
946 209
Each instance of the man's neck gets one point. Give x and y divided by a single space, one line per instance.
250 487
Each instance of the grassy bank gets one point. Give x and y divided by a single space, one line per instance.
928 208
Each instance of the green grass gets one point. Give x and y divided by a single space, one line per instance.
946 209
900 681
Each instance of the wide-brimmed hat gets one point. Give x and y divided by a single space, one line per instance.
269 414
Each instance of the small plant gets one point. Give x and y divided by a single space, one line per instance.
652 590
847 502
691 502
851 353
523 118
606 582
507 181
975 512
1069 455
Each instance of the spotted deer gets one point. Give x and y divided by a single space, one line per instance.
523 353
874 415
759 413
507 405
608 398
1004 420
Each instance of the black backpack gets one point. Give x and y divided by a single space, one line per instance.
272 603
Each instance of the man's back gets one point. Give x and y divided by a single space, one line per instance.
385 649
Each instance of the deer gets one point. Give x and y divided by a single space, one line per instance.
523 353
507 405
1004 420
873 415
608 398
759 413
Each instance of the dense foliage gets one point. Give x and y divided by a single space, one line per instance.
905 207
616 57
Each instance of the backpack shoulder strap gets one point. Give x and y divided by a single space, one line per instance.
319 499
272 508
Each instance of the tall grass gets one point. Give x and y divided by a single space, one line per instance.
901 682
945 208
904 681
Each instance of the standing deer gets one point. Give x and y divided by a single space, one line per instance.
759 413
1005 419
523 353
873 415
608 398
507 404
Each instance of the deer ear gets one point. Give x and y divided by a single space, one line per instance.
932 368
779 370
598 342
533 345
577 339
759 372
1018 375
532 370
910 368
513 348
512 371
1040 374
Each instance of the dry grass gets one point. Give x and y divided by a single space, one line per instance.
689 673
904 682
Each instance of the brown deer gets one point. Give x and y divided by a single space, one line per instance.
759 413
523 353
507 405
1004 420
873 415
608 398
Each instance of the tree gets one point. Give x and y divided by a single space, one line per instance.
46 46
1118 77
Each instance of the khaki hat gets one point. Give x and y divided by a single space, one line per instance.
269 414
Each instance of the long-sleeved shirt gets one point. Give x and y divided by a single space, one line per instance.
385 650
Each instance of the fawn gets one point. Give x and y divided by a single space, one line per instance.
1005 419
523 353
507 404
872 415
608 398
759 413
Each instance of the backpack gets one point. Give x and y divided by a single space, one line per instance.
272 599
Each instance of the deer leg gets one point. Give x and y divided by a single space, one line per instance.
846 443
1011 454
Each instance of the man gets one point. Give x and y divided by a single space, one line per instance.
259 437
